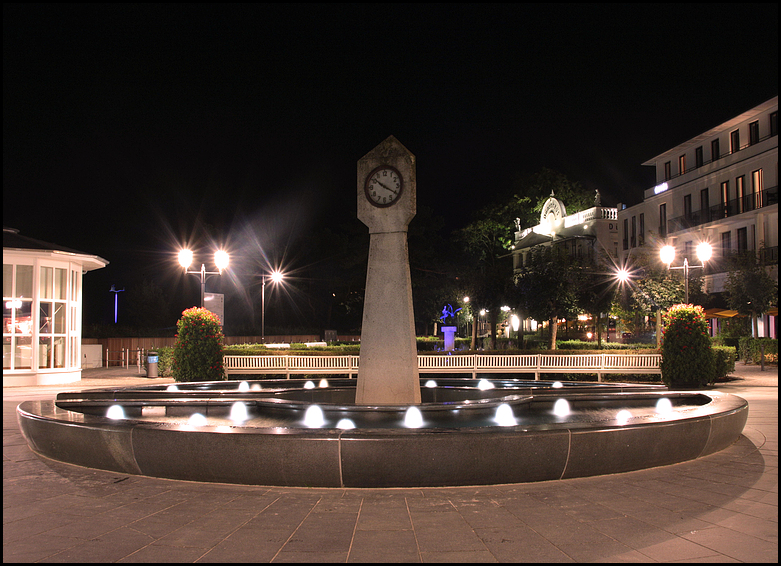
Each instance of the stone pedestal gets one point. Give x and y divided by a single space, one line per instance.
450 337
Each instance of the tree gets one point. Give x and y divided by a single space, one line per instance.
750 289
547 286
530 193
488 273
596 289
653 288
147 306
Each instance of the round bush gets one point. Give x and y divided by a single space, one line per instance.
198 347
687 361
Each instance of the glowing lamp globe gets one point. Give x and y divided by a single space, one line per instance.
221 259
667 253
185 258
704 251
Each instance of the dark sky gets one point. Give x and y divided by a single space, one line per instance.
126 128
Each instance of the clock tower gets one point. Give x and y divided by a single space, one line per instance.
388 371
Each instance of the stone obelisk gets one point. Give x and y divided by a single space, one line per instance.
388 372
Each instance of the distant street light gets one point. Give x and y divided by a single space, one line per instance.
276 277
221 260
704 252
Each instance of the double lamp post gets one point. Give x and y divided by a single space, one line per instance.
221 260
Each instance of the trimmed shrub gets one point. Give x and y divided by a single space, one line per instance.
687 360
751 350
198 349
724 360
165 361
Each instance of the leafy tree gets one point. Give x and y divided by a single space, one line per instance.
487 276
531 192
147 306
653 288
595 291
750 289
547 286
433 269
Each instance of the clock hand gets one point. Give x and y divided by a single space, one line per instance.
386 186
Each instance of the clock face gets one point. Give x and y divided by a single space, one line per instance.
383 186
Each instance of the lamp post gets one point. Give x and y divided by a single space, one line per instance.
704 252
221 260
276 277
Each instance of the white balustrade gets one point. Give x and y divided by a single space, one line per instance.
467 363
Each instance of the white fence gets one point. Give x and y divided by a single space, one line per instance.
470 363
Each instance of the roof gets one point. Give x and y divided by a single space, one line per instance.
12 240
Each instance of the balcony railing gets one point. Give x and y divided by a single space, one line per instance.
733 207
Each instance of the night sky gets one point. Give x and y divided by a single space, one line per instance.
131 129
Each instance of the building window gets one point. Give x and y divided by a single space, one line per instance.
668 171
682 164
688 249
704 206
726 244
52 329
740 195
742 240
687 207
774 124
753 133
734 141
641 232
633 243
663 220
626 234
41 317
714 150
17 316
725 198
698 157
756 188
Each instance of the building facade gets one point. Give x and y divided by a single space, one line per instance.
720 187
42 306
589 234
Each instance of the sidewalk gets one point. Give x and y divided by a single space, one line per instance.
720 508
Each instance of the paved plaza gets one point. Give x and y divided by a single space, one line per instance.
721 508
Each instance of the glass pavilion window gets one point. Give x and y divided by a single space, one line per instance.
17 316
41 317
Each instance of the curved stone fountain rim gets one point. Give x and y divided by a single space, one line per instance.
381 457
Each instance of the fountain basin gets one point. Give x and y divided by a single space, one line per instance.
459 439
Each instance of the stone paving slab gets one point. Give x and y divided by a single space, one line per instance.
723 508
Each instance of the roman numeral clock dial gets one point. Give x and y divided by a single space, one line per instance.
383 186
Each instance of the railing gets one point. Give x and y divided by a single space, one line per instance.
123 357
599 364
746 203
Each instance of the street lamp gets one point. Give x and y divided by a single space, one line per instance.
221 260
704 252
276 277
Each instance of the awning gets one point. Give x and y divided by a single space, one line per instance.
720 313
724 313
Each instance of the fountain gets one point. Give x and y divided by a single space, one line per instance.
285 433
383 429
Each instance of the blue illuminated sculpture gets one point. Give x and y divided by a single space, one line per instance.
449 331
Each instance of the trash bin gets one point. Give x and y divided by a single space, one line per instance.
151 364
